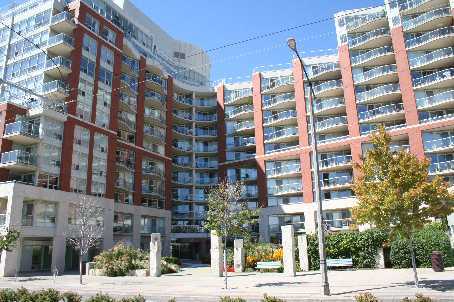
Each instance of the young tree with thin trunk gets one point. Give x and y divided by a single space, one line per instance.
228 214
395 192
86 228
8 240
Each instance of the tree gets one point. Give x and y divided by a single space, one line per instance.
228 214
86 227
395 192
8 240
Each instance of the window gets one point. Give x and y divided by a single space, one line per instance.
89 45
179 55
107 56
87 66
105 76
109 35
92 23
122 223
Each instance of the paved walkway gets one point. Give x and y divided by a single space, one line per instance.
197 284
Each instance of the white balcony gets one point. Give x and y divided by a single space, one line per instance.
283 118
59 67
278 85
378 75
332 124
55 89
242 143
437 80
441 100
381 94
18 161
445 144
375 57
280 102
337 182
408 7
60 45
382 114
284 135
325 71
329 89
442 168
63 22
284 171
334 163
244 112
238 97
430 20
435 59
22 132
288 189
244 127
372 39
329 106
365 23
435 39
154 99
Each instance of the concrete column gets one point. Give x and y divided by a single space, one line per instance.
302 253
288 246
216 253
10 261
238 255
155 255
136 230
380 258
264 235
59 241
108 225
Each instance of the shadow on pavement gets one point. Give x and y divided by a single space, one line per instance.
438 285
366 289
271 284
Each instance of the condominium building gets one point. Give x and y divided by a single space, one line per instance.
110 107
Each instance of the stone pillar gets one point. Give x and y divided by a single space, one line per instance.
380 258
302 253
59 241
136 230
238 256
108 215
216 252
288 246
155 255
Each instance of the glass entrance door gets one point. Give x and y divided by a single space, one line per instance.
36 256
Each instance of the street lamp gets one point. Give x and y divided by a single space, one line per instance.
291 42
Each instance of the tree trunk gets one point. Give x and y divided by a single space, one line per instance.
80 269
225 262
413 262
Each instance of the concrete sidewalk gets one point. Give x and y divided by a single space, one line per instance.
197 284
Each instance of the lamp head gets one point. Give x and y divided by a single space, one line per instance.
291 43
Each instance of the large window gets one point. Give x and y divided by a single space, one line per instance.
87 66
92 23
109 34
89 45
107 56
122 223
276 221
39 213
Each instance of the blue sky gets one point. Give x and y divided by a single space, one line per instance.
212 23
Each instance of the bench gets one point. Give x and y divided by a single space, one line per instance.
268 265
348 262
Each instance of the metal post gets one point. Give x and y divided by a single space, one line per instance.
315 166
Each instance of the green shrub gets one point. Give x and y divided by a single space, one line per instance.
172 260
169 268
366 297
267 298
133 299
23 295
71 297
100 298
7 295
229 299
48 295
121 259
172 300
362 247
419 298
431 238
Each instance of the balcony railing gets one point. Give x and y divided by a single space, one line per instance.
333 84
153 78
277 82
441 143
183 114
371 54
212 164
153 95
152 170
244 125
182 178
375 73
437 99
331 122
182 197
240 110
284 169
288 188
146 189
206 117
244 141
359 21
205 102
336 181
154 132
280 98
188 229
432 56
368 36
434 77
203 148
182 161
55 85
206 132
60 38
206 180
283 115
376 92
19 157
181 145
63 16
322 105
132 63
423 18
154 114
408 4
323 68
237 94
440 167
429 36
290 131
383 110
58 62
184 100
183 130
334 161
25 128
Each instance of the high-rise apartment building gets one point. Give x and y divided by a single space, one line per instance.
116 110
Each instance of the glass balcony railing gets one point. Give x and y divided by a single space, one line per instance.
322 105
152 170
278 99
235 95
206 132
155 115
357 41
55 85
154 132
183 130
284 169
323 68
182 197
268 84
203 164
240 110
206 148
184 100
233 156
133 64
25 128
371 54
153 78
283 115
290 131
408 4
331 122
432 56
440 167
244 125
377 92
58 62
437 99
60 38
437 144
334 161
333 84
147 189
429 36
435 77
356 22
244 141
288 188
63 16
336 181
426 17
188 229
18 157
206 102
155 96
206 180
382 110
375 73
182 178
183 114
206 117
182 161
182 145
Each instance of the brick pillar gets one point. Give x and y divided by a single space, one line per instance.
168 146
259 145
349 90
222 135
